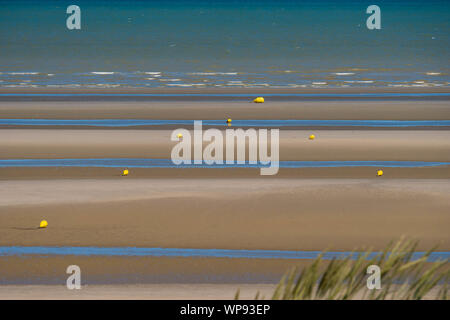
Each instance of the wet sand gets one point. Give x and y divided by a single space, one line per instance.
370 145
103 270
216 110
279 214
138 278
58 173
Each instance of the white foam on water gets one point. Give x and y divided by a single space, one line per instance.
107 85
359 81
398 85
260 84
102 72
344 73
185 84
213 73
432 73
22 73
63 85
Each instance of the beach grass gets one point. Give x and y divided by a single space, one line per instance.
401 277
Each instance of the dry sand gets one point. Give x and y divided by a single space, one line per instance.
138 292
154 292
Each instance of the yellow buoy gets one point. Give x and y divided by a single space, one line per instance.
228 120
259 100
43 224
312 137
125 172
179 136
379 173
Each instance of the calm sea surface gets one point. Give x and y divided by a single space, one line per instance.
224 44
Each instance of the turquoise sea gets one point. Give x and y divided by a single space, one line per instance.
226 44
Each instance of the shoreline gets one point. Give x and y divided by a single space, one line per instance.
166 90
164 94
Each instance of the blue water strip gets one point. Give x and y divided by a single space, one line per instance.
222 123
167 163
177 252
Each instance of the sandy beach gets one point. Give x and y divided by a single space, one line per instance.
194 213
330 145
370 145
149 292
139 292
312 209
330 141
217 108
